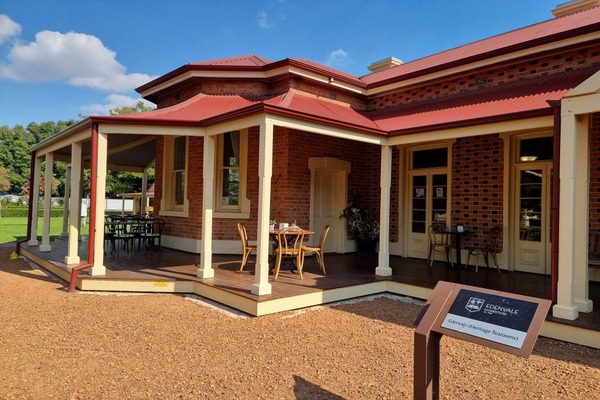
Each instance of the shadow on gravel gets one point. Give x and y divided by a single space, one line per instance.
405 315
21 268
305 390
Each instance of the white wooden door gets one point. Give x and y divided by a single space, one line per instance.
327 205
532 218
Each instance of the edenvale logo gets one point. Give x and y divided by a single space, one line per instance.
474 304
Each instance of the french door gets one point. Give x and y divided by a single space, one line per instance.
429 204
532 217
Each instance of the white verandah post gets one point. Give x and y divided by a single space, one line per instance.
67 195
34 191
206 270
98 267
74 206
573 229
144 199
48 176
383 266
261 285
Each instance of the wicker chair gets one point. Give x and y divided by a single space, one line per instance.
246 248
318 250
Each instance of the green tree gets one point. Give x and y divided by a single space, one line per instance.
139 107
14 156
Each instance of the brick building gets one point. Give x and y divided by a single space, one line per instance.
473 136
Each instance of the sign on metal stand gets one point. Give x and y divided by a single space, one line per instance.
499 320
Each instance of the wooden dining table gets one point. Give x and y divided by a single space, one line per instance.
274 235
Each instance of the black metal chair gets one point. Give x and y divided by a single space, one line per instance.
152 233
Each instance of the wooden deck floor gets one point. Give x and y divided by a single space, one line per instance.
344 271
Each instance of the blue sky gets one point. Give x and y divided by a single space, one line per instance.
63 58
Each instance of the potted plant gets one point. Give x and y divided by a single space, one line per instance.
363 226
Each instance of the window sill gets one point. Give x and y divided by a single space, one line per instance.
231 215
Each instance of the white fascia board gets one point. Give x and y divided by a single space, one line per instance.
325 130
475 130
590 86
483 63
66 140
234 125
156 130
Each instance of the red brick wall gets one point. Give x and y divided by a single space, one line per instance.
291 175
564 60
594 204
477 184
290 185
190 227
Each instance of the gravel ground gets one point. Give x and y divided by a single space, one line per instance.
84 346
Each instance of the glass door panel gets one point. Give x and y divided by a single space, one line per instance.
439 202
530 205
419 204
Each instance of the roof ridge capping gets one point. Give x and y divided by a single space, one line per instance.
583 18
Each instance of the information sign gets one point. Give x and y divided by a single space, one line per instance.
495 318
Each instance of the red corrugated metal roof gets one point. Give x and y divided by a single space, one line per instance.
191 111
327 110
509 100
248 60
525 96
547 29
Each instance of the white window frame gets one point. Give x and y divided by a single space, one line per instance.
168 204
242 211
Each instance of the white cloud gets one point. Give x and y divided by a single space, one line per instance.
78 58
337 58
263 20
113 101
8 28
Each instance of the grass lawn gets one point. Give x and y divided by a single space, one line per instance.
15 228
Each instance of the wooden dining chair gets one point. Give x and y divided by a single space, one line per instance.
289 245
439 241
246 248
318 251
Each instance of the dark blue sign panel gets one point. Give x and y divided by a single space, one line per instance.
495 318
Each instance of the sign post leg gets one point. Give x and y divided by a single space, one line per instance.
427 366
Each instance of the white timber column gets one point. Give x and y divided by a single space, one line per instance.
48 175
565 306
206 270
581 249
383 266
34 191
74 205
98 267
65 228
261 285
144 199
